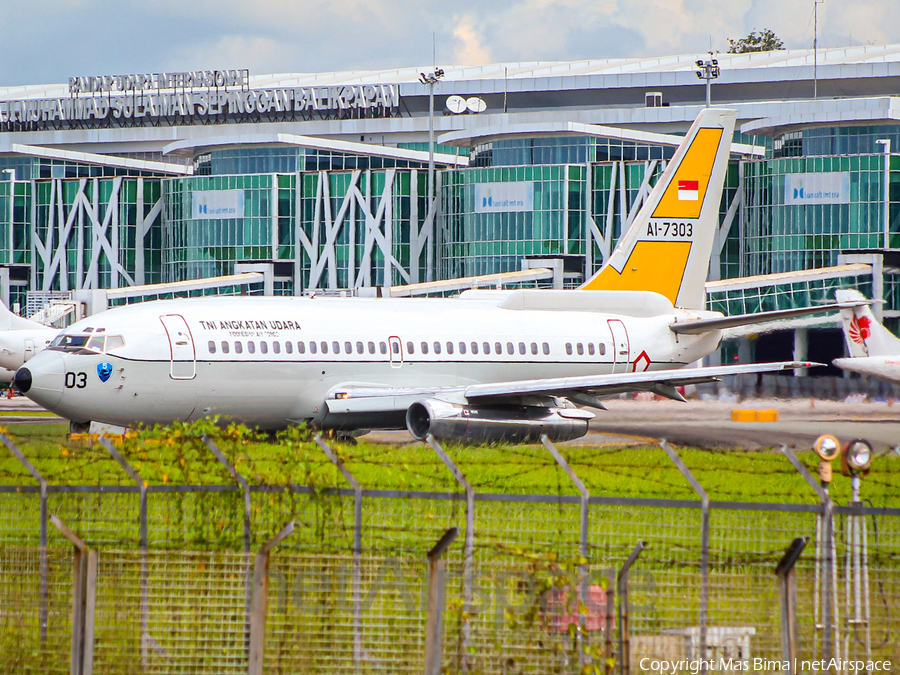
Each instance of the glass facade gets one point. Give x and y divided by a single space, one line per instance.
350 235
485 243
856 140
779 237
291 159
564 150
194 249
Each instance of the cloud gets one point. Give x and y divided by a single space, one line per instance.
469 50
83 37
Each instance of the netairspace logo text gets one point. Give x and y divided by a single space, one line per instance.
761 665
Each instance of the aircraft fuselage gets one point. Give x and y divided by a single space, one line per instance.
268 361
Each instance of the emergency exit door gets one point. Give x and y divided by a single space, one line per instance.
181 345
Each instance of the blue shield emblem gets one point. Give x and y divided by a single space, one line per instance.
104 371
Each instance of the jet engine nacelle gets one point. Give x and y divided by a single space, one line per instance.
512 424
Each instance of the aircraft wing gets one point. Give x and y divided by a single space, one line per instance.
585 389
704 325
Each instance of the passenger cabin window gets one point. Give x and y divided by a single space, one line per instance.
301 347
313 347
238 347
383 347
521 347
602 349
580 348
348 348
359 348
225 347
335 347
449 347
371 347
424 347
510 349
264 347
410 347
546 349
590 348
289 347
474 347
437 347
462 347
534 348
498 348
324 346
276 347
212 347
569 348
251 346
395 347
486 346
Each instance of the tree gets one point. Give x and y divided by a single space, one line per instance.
764 41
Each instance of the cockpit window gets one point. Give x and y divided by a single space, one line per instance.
68 343
86 343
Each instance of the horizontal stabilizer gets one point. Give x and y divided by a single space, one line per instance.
705 325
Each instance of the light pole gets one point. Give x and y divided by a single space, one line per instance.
709 70
431 79
886 189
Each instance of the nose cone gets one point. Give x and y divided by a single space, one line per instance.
22 380
42 381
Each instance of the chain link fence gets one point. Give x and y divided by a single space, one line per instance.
531 583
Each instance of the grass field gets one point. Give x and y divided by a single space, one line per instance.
196 543
607 471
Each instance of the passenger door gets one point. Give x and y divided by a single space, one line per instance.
620 346
181 345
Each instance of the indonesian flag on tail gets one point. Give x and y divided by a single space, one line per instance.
688 190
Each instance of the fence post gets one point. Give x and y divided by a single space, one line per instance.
357 548
825 552
84 594
144 602
14 449
608 627
468 547
622 590
436 567
787 587
245 487
260 603
584 589
704 546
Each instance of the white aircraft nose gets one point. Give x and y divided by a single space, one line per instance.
42 380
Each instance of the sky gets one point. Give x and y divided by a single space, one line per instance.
47 41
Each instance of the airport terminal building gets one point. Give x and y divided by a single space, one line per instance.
322 180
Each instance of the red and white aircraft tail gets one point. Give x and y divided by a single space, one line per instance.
864 334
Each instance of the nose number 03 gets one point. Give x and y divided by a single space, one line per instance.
74 380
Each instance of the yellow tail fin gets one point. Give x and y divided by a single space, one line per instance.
668 246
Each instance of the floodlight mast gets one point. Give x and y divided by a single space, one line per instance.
709 71
431 79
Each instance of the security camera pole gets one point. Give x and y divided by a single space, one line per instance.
431 79
709 71
856 458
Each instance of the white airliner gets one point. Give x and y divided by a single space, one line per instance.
488 365
20 340
873 349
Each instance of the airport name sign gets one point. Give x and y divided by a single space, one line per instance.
143 81
137 107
